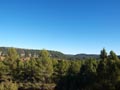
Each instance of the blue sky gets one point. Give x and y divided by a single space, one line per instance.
69 26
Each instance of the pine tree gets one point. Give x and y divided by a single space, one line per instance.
12 54
46 66
113 56
103 54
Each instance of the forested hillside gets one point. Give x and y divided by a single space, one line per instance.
46 73
53 54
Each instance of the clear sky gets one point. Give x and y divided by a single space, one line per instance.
69 26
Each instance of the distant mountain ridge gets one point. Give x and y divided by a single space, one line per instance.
53 54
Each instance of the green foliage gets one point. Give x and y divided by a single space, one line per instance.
61 69
8 85
45 63
87 74
94 74
74 67
44 72
103 54
113 56
53 54
12 54
4 72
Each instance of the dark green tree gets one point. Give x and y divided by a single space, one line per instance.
103 54
113 56
87 75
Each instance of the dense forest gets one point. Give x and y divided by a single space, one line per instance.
43 72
